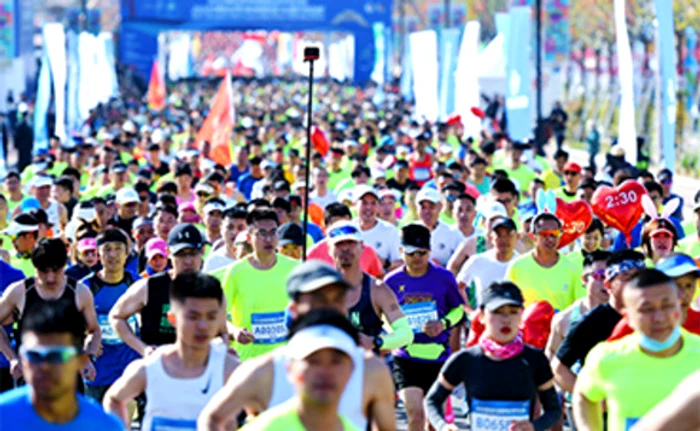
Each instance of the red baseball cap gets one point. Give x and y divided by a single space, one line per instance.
572 167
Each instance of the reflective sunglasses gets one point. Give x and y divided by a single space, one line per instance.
203 195
598 275
343 230
553 233
570 174
53 355
420 253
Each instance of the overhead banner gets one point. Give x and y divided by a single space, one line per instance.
518 81
467 80
449 49
41 106
149 18
407 71
627 131
379 72
73 114
55 43
667 64
425 74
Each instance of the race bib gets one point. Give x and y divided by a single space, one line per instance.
109 335
419 314
421 174
166 424
497 415
268 328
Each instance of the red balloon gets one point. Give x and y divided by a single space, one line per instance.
478 112
621 207
575 216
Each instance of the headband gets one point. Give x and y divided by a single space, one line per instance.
616 269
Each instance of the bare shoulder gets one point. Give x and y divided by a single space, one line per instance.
253 372
14 290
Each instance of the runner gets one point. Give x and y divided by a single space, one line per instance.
370 301
8 276
679 411
444 240
503 377
261 384
464 213
180 378
56 212
52 357
23 231
255 289
321 354
478 242
490 266
658 348
590 241
572 179
685 274
291 240
596 325
107 285
233 224
157 257
432 304
49 285
382 236
544 274
127 206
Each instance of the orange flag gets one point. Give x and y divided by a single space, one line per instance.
156 89
319 141
218 125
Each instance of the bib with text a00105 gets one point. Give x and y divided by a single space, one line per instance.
268 328
497 415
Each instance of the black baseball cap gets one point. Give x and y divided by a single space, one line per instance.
184 236
290 234
500 294
665 175
504 222
313 275
415 237
183 169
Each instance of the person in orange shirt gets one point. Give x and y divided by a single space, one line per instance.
369 261
685 273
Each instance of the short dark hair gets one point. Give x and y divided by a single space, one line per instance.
544 217
468 197
112 235
336 209
653 186
71 172
12 174
163 208
283 204
478 160
359 171
55 317
649 277
235 212
195 285
261 214
167 187
49 253
596 225
597 256
623 255
325 317
66 183
504 185
561 153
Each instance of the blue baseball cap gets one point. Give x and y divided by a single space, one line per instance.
678 265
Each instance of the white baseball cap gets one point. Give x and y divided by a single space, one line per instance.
428 194
213 206
363 190
343 231
314 338
495 209
42 181
127 195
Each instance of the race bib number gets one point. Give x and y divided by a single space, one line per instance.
109 335
419 314
165 424
268 328
421 174
497 415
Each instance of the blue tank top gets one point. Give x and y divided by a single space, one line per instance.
362 314
16 408
116 354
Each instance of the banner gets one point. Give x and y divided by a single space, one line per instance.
627 132
518 81
219 123
41 106
55 44
73 114
557 42
667 65
156 89
379 71
110 65
467 80
406 82
449 49
425 74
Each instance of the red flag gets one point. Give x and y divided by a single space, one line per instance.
156 89
218 125
319 141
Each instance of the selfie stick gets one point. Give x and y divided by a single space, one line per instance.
311 54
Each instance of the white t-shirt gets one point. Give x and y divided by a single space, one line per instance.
385 240
324 201
217 259
483 269
444 240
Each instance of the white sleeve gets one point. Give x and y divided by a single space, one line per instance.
465 273
394 245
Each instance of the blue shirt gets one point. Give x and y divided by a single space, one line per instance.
8 275
235 173
621 240
16 408
246 183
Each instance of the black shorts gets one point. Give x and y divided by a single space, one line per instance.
414 374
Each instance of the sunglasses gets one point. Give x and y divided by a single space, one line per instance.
570 174
419 253
203 195
53 355
340 231
505 202
597 275
550 233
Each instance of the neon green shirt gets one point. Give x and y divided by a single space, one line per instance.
562 194
690 245
631 381
552 180
24 264
557 285
523 175
285 417
11 205
334 178
257 301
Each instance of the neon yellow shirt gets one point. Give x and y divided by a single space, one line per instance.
631 381
523 175
552 180
334 178
690 245
285 417
257 301
557 285
561 194
23 264
11 205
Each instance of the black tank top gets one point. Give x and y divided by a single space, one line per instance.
32 299
362 314
156 330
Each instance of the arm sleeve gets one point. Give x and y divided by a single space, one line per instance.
434 401
455 316
401 335
552 410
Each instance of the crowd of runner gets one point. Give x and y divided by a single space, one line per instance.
144 286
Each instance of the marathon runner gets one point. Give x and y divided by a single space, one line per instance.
52 337
445 240
382 236
503 377
478 242
179 378
659 349
24 234
49 285
431 301
261 384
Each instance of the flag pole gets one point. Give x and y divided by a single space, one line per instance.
311 54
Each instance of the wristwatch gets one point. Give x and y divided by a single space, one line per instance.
378 343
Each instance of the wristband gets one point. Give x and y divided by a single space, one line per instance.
446 323
378 343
